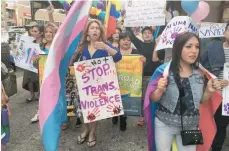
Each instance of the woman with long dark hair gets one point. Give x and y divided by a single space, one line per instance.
180 94
92 46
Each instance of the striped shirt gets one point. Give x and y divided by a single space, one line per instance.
226 52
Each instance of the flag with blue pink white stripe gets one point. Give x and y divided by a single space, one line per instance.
52 103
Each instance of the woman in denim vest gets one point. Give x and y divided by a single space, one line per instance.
184 74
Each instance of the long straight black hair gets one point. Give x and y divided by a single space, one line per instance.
178 46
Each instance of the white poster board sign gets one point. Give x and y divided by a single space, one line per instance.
176 26
209 30
144 13
26 50
98 89
225 102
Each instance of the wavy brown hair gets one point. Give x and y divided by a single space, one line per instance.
84 43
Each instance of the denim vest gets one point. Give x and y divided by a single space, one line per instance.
170 97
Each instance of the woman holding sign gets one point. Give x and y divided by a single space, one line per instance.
178 89
30 79
125 49
92 46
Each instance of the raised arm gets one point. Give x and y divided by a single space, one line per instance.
50 13
155 55
137 42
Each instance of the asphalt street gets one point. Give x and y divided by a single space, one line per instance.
26 136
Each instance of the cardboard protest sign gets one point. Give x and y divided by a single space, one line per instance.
72 99
25 52
144 13
209 30
98 88
225 102
129 71
176 26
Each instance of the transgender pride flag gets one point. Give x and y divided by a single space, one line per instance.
52 103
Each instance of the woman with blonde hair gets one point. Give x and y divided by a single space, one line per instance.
50 30
93 45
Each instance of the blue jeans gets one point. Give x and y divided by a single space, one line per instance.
165 134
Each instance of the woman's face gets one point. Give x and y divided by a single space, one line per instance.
49 34
94 32
36 33
125 43
190 51
115 36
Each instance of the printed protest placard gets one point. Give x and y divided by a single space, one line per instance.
176 26
98 89
73 106
209 30
25 54
129 71
225 102
144 13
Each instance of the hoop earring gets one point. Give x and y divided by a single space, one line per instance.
88 38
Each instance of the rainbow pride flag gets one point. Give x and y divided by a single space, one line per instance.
207 110
110 19
52 103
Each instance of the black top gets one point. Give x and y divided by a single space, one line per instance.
134 51
146 49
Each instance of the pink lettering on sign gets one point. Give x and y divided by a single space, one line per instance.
92 90
98 71
100 102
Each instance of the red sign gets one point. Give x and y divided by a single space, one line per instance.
27 14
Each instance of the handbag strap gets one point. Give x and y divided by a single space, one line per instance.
181 117
181 94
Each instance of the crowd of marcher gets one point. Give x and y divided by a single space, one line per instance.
184 88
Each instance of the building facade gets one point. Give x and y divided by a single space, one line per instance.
19 14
